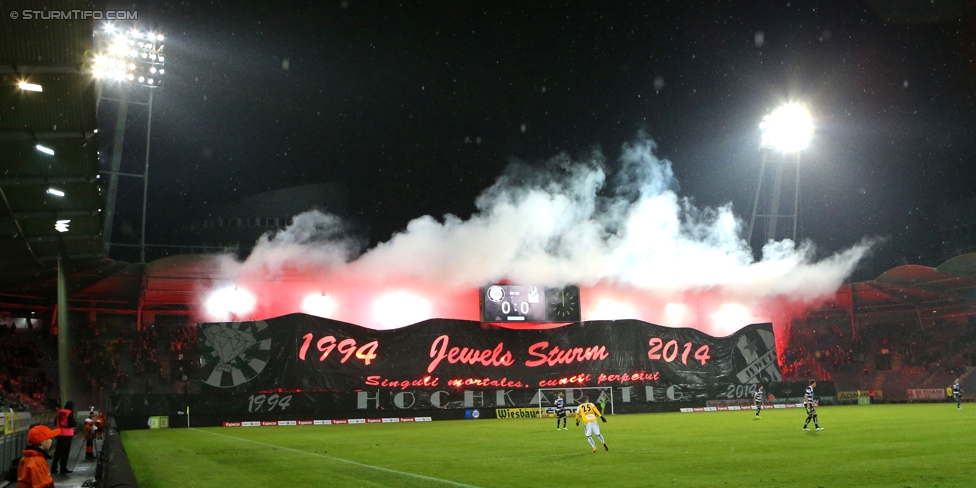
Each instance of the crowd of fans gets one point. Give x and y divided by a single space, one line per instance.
900 355
112 357
25 378
153 360
794 363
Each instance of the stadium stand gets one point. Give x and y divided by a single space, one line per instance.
28 372
891 357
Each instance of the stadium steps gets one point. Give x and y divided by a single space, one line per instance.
818 370
896 362
969 371
879 381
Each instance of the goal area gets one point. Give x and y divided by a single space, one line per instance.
545 399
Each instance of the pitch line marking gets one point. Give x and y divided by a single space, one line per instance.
354 463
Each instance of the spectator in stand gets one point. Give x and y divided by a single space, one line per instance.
32 470
65 421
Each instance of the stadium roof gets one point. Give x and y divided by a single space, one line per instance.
949 289
33 124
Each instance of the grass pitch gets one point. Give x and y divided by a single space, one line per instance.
928 445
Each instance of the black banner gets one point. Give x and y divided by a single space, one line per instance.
304 353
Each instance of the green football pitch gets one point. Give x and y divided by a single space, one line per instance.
929 445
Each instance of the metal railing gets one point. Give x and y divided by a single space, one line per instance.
11 448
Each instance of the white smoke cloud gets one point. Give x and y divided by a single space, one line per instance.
582 222
313 240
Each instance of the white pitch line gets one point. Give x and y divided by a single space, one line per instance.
354 463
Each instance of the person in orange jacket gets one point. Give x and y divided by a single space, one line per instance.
100 423
90 431
32 472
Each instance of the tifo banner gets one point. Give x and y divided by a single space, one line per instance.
784 392
926 394
300 365
303 352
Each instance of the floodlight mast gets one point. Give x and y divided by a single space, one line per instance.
787 130
128 58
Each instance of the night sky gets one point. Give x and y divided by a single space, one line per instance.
418 107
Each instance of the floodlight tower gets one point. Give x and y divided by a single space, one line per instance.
786 131
132 63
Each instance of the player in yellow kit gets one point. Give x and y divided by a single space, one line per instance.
589 413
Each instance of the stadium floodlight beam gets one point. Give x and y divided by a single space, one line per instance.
128 56
135 58
34 87
788 130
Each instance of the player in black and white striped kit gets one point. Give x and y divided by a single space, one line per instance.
957 394
759 400
810 403
560 410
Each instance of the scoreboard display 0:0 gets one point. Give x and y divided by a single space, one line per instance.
528 303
